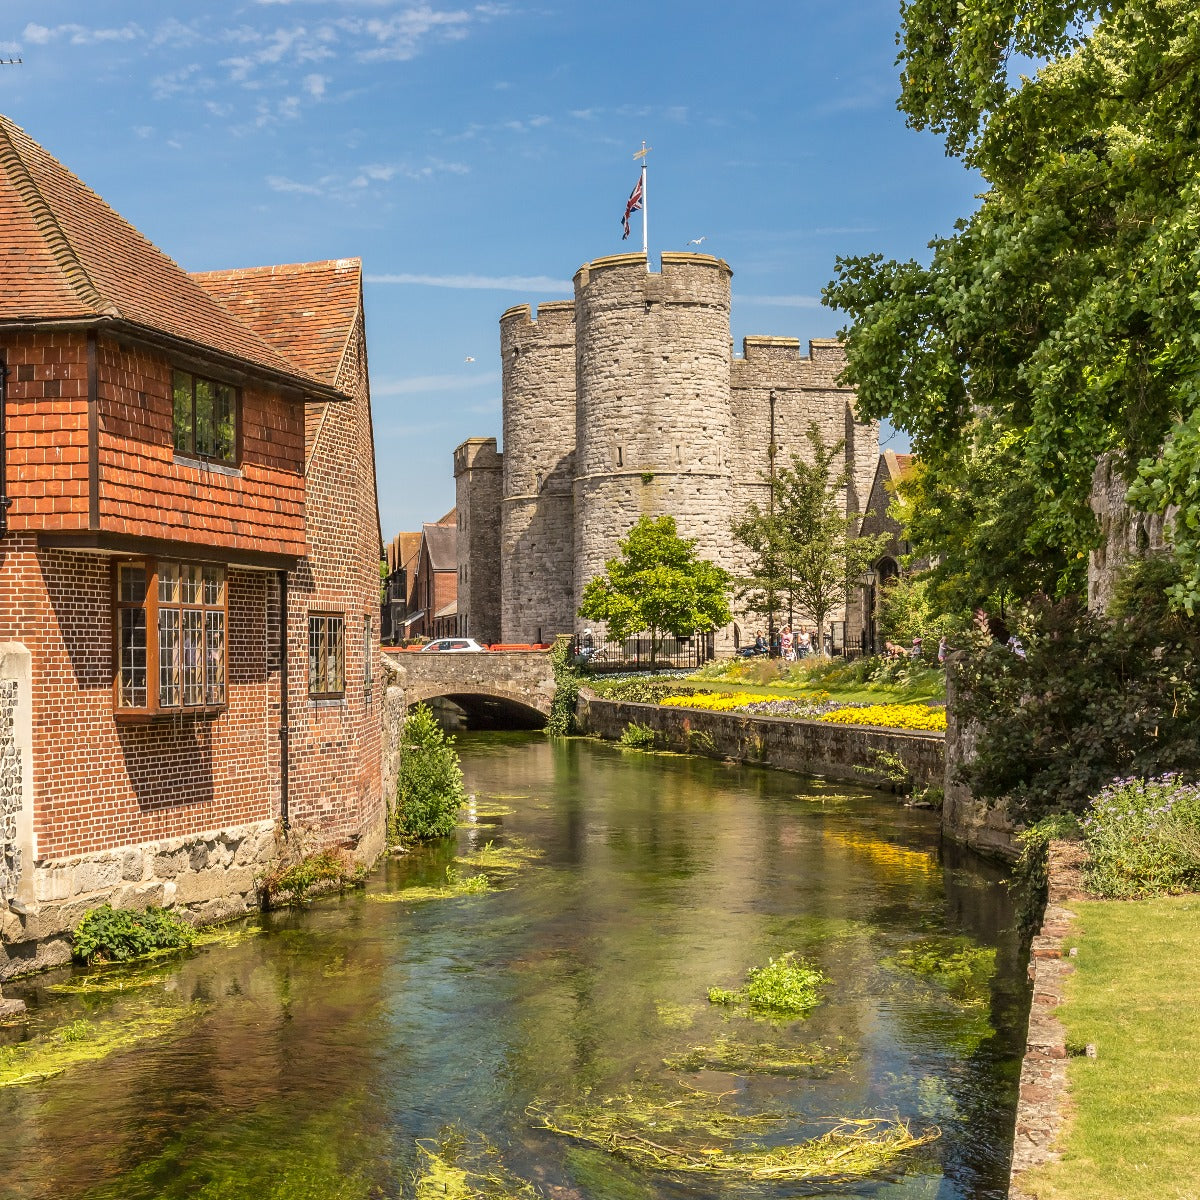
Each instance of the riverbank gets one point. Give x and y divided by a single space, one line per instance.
1109 1087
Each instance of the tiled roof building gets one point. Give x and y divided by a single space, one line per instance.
188 570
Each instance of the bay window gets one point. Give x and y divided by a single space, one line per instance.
170 635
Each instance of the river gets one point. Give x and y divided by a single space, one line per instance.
310 1055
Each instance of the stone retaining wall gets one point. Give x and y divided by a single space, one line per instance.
1042 1102
809 747
209 877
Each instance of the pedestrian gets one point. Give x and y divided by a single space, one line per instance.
942 648
805 648
915 652
785 643
760 643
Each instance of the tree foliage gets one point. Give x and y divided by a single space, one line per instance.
659 585
804 547
429 790
1061 319
1096 698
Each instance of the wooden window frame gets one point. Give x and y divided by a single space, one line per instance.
154 709
326 616
236 450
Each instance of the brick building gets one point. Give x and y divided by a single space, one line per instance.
176 484
435 580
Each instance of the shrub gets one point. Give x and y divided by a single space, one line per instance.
637 737
110 934
297 880
1094 699
1143 838
567 681
429 791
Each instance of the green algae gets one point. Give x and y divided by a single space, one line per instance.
513 856
956 965
457 1168
455 885
690 1132
761 1058
675 1016
84 1041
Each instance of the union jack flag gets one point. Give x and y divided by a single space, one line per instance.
633 205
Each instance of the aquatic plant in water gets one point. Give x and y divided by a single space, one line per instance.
510 857
689 1132
82 1041
457 1168
455 885
786 986
760 1058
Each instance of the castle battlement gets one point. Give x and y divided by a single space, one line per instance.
551 316
629 401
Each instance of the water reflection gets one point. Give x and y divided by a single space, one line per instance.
312 1058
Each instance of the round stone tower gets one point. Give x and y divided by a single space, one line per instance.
536 523
654 426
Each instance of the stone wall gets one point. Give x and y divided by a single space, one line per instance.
478 472
16 775
1041 1103
809 747
985 827
1125 532
626 403
210 876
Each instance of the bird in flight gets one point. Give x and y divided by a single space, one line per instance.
468 359
697 241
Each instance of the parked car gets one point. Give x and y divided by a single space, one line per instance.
454 645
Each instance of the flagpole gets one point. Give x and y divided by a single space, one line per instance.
645 215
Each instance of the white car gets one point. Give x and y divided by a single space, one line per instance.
454 645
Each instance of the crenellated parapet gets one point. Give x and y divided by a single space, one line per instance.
628 401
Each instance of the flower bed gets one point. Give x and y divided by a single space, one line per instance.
889 716
817 707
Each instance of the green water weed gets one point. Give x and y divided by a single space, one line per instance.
108 934
788 986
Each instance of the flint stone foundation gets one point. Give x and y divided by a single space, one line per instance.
207 877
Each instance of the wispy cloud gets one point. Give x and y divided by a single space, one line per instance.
355 182
419 384
80 35
492 283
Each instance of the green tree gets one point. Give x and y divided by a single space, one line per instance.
658 584
805 547
429 791
1059 320
824 555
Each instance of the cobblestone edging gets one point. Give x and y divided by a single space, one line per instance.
1041 1106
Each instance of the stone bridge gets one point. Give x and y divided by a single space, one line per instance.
504 688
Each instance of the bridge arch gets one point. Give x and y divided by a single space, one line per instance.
505 688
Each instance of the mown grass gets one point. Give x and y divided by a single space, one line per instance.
1134 1128
775 679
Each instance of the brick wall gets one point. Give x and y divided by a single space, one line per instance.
145 489
100 783
335 783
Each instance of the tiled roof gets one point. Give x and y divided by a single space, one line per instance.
65 255
450 518
441 543
307 310
407 546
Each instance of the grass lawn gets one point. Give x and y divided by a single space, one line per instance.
1134 1129
789 681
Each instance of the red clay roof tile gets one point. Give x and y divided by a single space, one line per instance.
65 254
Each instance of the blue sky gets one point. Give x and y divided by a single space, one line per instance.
474 156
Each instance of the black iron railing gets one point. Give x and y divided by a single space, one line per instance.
594 652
